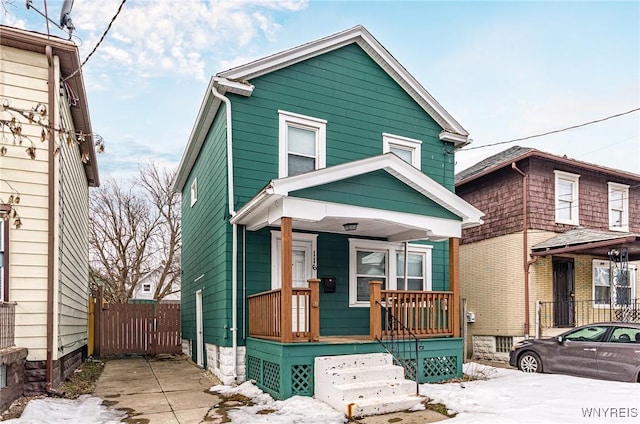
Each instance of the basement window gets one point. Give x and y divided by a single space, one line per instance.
503 344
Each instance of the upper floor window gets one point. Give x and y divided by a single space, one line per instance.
302 144
618 207
385 262
194 191
408 149
146 288
566 198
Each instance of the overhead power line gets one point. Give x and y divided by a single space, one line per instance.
554 131
99 41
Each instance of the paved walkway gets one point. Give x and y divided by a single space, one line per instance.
175 391
167 391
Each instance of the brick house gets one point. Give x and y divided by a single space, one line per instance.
559 247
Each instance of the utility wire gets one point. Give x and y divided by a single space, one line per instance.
99 41
554 131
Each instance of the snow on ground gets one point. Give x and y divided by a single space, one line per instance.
510 396
86 410
295 410
506 396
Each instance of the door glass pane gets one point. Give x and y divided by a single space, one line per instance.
299 268
302 141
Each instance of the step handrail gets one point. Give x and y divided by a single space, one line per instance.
395 344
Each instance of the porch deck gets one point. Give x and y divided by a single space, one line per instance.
287 369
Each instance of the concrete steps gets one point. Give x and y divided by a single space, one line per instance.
362 385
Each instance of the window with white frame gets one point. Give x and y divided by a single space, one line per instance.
624 283
385 262
407 149
146 288
618 207
566 198
194 191
302 144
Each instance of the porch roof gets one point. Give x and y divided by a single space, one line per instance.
588 241
273 202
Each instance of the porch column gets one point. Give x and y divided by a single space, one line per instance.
286 276
454 283
314 313
375 322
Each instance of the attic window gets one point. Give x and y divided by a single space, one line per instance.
407 149
146 288
194 191
302 144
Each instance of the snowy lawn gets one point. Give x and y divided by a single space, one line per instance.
505 397
511 396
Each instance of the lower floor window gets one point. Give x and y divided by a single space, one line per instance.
386 262
623 282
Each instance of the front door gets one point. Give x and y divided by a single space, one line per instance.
563 292
303 269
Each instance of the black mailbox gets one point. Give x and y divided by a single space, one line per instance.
329 284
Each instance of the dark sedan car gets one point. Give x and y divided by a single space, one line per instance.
609 351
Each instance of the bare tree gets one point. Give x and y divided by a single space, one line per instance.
135 230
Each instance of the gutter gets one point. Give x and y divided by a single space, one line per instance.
50 223
234 249
525 245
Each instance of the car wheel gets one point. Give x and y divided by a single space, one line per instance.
530 362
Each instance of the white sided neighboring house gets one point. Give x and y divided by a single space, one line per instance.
45 178
147 287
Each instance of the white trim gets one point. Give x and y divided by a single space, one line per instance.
390 250
286 119
275 258
410 144
575 205
624 189
372 47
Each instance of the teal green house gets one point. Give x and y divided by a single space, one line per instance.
319 217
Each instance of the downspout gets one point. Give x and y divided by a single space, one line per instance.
234 243
525 246
50 223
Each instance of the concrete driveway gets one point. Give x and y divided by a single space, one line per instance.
174 390
159 391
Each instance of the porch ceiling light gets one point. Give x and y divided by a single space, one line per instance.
351 226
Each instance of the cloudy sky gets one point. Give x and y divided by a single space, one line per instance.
504 70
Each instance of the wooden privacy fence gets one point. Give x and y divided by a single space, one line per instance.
127 329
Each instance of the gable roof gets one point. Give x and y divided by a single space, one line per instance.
236 80
280 188
517 153
69 57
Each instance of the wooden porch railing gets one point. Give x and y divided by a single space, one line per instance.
7 324
425 314
266 317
